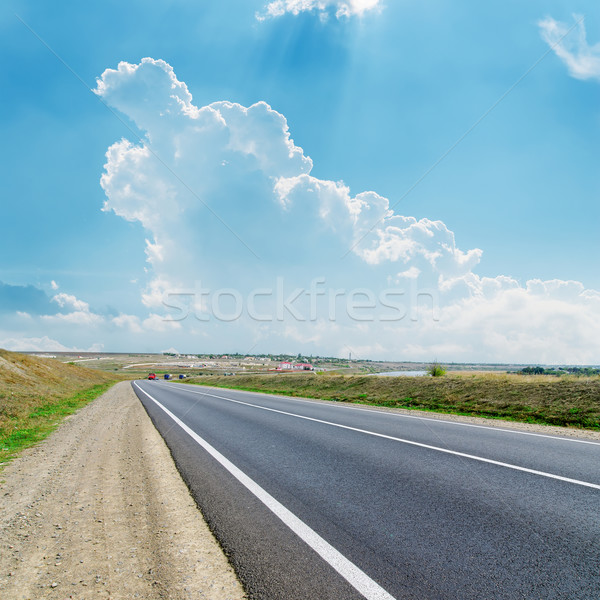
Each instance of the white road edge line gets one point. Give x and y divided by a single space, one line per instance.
418 417
347 569
410 442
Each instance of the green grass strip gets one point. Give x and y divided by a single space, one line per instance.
41 422
522 411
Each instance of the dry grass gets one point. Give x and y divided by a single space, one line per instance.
35 393
566 401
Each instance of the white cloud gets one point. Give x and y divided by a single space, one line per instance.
376 233
234 158
78 327
123 85
32 344
303 334
276 219
43 344
54 285
341 8
582 59
160 323
553 321
411 273
75 318
128 322
70 301
80 313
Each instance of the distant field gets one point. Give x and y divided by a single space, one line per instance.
36 394
565 401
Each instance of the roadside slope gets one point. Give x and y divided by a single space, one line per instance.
99 509
37 393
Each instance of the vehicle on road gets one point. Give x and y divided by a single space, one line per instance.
152 376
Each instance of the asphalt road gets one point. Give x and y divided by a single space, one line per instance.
313 500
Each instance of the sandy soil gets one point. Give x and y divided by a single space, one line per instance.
99 510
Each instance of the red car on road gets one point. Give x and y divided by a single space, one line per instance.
152 376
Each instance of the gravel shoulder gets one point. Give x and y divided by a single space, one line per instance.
99 509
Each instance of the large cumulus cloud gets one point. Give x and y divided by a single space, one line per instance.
226 197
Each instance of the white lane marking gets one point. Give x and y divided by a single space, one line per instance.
410 442
348 570
403 416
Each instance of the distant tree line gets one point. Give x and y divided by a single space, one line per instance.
279 357
558 371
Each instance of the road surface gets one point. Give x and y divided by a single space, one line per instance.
317 500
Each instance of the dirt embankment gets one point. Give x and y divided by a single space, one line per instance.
99 510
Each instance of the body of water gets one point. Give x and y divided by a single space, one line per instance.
401 374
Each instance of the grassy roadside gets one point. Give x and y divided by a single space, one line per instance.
547 400
37 394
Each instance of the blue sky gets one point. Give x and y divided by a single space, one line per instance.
371 98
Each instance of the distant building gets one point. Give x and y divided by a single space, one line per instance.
303 367
288 366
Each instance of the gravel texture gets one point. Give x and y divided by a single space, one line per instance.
99 510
